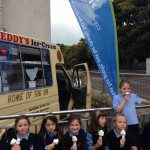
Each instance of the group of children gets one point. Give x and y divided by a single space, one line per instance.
124 136
50 136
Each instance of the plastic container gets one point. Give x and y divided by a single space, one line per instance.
32 84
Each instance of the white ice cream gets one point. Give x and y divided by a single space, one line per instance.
74 138
55 141
123 133
14 141
101 133
127 93
18 141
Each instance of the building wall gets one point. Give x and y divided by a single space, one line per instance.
29 18
1 16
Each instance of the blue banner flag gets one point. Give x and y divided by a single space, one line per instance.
96 19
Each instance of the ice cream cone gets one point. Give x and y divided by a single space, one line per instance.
14 141
74 140
101 134
123 134
55 142
127 93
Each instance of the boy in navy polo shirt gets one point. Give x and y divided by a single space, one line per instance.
116 140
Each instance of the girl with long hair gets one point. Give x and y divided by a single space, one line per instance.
97 132
50 132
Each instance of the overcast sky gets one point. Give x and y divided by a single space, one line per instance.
64 26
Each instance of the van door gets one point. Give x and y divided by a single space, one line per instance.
64 89
81 87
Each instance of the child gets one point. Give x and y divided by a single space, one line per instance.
93 116
50 131
75 138
94 141
116 140
21 138
125 102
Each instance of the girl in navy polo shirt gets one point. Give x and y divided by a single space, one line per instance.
20 138
97 125
75 138
50 132
125 102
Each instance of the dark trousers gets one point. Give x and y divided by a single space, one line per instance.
134 131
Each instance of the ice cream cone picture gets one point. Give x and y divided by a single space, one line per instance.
74 140
101 133
55 142
123 134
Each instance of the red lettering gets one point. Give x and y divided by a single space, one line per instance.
27 41
9 37
21 39
3 36
15 38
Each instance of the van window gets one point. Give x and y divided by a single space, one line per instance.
23 67
32 66
10 68
47 67
37 68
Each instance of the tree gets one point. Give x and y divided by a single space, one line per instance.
133 22
77 53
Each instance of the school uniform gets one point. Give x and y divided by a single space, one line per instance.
129 110
114 141
92 139
6 138
30 142
48 139
67 143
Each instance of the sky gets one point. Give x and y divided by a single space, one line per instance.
64 26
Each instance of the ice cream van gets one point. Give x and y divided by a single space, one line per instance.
33 78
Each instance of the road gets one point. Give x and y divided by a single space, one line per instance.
140 84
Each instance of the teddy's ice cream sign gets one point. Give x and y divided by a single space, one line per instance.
25 40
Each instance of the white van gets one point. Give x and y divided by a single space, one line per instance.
33 78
